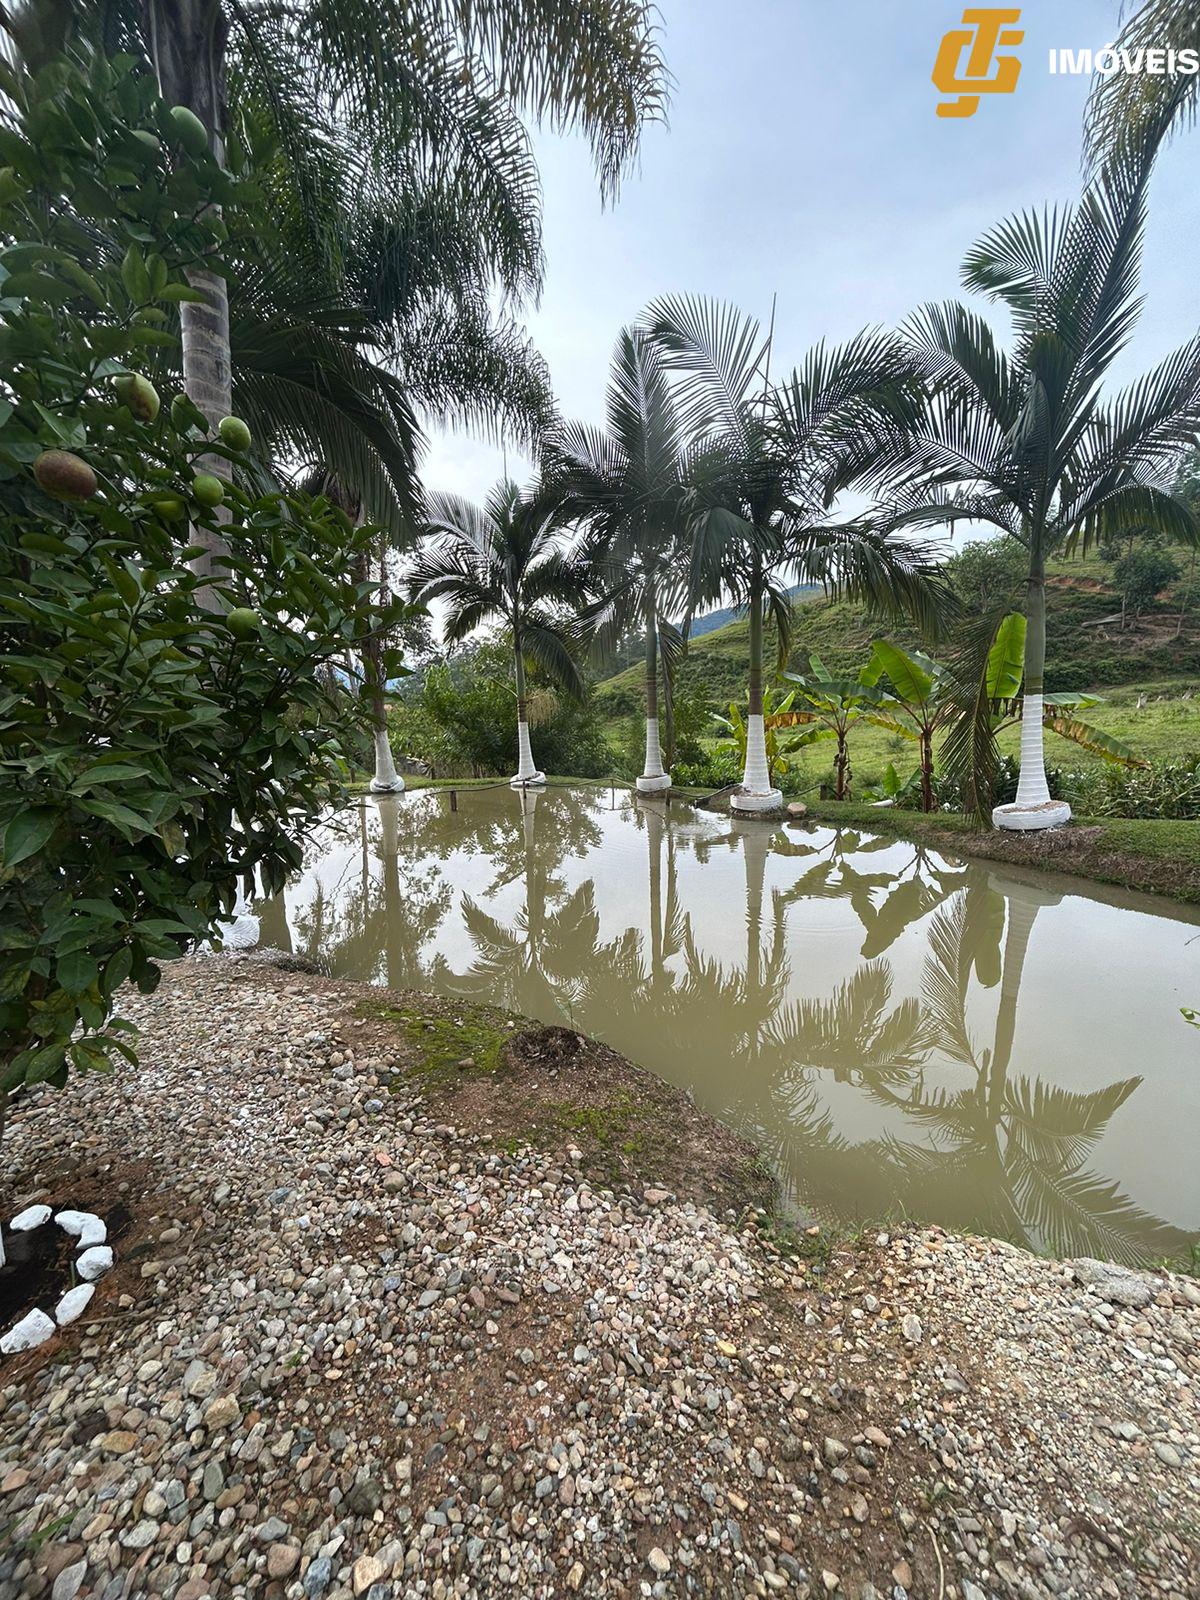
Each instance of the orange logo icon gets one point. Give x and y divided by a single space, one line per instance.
965 58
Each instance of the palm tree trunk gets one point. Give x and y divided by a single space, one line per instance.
757 793
653 777
386 780
188 39
527 773
1033 791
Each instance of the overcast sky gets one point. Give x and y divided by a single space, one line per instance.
803 156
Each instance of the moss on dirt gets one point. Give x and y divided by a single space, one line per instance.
516 1083
449 1048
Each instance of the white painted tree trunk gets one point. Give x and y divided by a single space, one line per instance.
757 792
1032 790
386 780
653 777
654 766
527 772
757 775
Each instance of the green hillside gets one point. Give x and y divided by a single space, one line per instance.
1082 652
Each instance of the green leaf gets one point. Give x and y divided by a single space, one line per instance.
135 276
77 972
911 682
27 833
1101 744
1006 659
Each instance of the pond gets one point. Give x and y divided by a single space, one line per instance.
902 1032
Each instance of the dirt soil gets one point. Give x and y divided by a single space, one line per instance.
417 1300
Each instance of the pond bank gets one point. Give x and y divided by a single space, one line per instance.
361 1340
1160 857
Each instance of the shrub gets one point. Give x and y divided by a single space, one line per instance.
460 718
156 754
1167 789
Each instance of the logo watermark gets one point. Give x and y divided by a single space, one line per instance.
973 60
966 56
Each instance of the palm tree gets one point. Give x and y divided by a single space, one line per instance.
1023 441
409 90
626 484
1122 103
764 465
502 562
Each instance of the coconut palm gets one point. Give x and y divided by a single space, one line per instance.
1127 102
410 90
502 562
765 464
626 485
1023 441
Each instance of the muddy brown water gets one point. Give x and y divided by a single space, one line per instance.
904 1033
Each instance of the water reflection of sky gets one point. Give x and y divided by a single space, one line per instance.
1082 991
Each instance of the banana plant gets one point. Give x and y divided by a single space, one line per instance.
923 700
829 707
775 716
1005 692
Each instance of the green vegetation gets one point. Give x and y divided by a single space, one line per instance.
165 741
1146 677
447 1048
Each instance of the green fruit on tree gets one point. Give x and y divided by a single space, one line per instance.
242 622
138 393
234 433
185 415
146 139
169 507
208 489
189 130
64 476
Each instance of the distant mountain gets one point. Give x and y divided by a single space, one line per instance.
717 619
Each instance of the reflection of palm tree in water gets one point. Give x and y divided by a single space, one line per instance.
1008 1153
374 925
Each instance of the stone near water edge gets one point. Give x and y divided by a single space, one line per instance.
26 1221
94 1262
34 1328
1120 1286
85 1226
74 1303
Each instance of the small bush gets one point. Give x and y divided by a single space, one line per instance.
1167 790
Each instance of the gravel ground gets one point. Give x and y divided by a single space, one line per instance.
349 1350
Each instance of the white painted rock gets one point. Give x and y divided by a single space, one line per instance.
85 1226
74 1303
94 1263
34 1328
26 1221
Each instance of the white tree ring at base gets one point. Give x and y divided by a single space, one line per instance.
654 785
535 780
1017 818
752 803
92 1261
395 787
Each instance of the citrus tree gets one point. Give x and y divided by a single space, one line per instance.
161 748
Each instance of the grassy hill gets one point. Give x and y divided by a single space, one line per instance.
1145 662
1082 652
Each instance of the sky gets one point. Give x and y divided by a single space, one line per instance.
803 157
